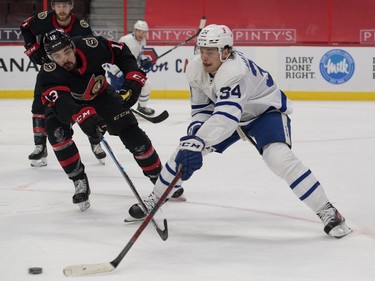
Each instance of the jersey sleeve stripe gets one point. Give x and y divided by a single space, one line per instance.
199 106
229 116
208 112
231 103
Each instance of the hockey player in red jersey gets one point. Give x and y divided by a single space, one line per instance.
75 90
33 30
233 98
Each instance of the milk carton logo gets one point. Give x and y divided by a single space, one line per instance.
337 66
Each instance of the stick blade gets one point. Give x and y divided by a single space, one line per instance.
202 23
153 119
161 117
87 269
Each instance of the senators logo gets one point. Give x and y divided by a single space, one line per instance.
92 42
94 88
84 24
98 84
42 15
49 67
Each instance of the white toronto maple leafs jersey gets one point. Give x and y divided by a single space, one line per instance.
237 94
134 45
136 48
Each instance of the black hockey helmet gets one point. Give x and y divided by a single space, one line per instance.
62 1
55 40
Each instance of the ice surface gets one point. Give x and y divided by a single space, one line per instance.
240 223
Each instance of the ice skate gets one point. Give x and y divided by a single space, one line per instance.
334 222
38 158
99 153
178 195
82 192
145 110
137 213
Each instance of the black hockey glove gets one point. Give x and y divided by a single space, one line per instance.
91 123
132 87
190 155
36 53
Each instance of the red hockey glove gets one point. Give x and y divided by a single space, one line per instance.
132 87
36 53
90 122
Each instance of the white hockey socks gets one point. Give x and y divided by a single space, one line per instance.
282 161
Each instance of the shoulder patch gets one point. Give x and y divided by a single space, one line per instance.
84 24
42 15
49 67
91 42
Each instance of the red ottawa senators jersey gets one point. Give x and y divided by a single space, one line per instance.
34 28
87 80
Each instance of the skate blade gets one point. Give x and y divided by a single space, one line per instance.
181 198
84 205
102 161
42 162
340 231
130 220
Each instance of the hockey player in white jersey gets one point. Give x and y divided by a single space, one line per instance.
233 98
136 41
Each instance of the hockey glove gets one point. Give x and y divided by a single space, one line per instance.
36 53
132 87
190 155
146 64
90 122
194 127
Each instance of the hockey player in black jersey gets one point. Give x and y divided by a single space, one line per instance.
75 90
33 30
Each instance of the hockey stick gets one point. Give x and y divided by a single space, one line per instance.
163 233
201 26
88 269
153 119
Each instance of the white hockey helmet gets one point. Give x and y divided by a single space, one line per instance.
214 35
141 25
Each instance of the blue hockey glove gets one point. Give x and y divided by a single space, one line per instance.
146 64
190 155
194 127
